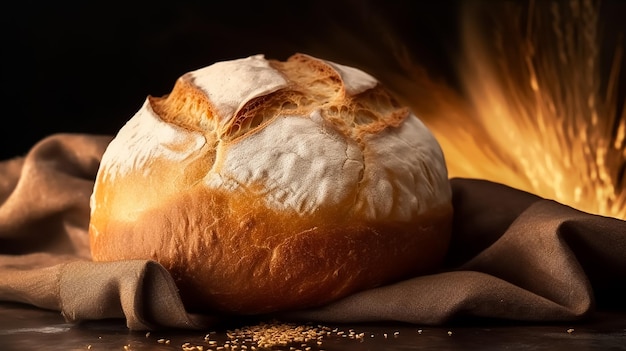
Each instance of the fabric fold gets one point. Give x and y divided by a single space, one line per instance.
141 291
439 299
534 254
46 195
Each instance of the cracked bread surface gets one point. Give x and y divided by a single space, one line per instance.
266 185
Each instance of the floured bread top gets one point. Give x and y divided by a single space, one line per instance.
301 135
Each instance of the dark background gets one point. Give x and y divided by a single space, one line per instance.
87 67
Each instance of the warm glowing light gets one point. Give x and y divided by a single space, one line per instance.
534 111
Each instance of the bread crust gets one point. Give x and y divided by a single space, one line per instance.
231 255
295 196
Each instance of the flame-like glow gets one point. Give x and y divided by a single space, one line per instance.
534 111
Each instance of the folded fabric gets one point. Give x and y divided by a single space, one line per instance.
513 256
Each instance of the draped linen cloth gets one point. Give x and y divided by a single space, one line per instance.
513 256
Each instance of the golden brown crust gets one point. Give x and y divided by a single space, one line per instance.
229 254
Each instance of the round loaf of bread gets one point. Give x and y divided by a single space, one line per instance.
265 186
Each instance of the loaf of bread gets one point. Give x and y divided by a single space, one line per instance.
265 185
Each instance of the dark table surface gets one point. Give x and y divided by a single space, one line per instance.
26 328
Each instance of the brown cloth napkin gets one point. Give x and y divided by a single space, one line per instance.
514 256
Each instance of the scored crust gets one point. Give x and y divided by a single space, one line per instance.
264 185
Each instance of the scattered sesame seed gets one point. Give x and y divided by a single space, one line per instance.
449 333
570 330
189 347
274 335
